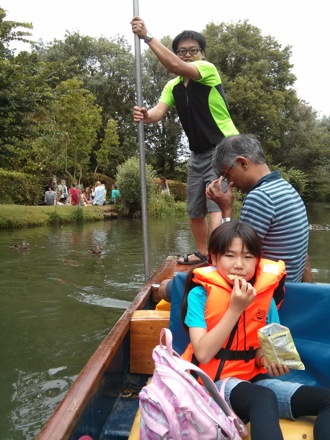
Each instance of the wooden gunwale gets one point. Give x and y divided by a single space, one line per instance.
62 422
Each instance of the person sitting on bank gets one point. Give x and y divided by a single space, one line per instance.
74 194
63 190
99 194
87 196
50 197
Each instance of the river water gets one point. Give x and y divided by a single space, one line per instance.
58 301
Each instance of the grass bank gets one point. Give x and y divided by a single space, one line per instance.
19 216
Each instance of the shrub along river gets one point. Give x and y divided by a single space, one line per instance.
58 301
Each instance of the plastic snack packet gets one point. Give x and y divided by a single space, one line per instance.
278 346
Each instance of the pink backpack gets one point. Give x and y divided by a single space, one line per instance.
174 406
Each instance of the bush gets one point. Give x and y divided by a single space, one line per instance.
178 190
19 188
164 205
128 180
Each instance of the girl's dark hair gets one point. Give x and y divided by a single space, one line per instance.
219 243
189 35
222 237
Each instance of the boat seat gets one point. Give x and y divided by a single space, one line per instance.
292 430
144 336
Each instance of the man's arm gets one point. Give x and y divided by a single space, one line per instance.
167 58
224 200
150 116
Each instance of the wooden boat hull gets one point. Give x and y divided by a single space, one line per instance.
103 401
98 388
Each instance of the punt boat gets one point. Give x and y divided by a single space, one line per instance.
103 401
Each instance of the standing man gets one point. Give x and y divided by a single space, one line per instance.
202 107
271 205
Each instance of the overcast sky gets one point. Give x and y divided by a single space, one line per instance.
302 25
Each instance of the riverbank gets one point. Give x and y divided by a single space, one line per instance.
20 216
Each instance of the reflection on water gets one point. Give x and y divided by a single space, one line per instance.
319 241
36 394
58 302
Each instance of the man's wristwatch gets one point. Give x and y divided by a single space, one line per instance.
148 37
225 220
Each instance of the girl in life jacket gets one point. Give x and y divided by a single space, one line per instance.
230 301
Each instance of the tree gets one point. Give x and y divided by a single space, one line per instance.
24 96
109 155
307 148
259 83
106 68
73 124
21 93
257 77
11 31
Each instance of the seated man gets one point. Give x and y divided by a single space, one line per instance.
99 194
50 197
271 205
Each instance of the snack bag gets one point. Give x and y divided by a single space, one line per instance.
278 346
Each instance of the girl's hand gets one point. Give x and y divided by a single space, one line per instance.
242 295
277 369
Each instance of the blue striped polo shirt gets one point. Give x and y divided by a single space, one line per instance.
278 214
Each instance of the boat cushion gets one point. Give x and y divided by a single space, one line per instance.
180 334
305 310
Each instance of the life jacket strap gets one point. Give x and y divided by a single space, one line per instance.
236 355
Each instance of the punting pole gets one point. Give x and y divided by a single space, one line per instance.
144 201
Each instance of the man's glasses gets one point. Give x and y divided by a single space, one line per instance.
192 51
224 176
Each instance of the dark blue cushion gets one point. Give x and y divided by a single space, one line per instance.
306 311
180 334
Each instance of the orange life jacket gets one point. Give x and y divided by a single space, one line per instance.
240 355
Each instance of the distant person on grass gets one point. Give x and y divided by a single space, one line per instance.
50 196
99 194
115 194
63 190
74 194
